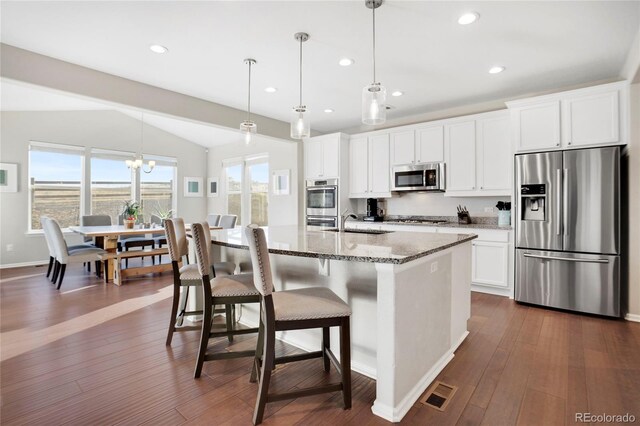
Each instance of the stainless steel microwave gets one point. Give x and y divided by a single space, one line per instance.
418 177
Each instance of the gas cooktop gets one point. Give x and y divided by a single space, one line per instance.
426 221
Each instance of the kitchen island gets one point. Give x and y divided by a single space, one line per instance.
409 293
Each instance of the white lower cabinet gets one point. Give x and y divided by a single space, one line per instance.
492 259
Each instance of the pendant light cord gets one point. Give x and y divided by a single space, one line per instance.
300 104
374 43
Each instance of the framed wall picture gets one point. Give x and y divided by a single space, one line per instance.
8 177
193 187
212 187
281 184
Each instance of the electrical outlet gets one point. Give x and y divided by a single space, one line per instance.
434 267
488 209
9 247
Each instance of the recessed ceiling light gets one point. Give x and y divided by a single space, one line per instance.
345 62
328 110
156 48
397 93
271 90
468 18
497 69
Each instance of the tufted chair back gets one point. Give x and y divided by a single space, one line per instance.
176 238
262 277
202 241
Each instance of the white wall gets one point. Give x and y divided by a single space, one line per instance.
283 209
435 204
99 129
634 203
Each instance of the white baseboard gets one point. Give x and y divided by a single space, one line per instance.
496 291
23 264
632 317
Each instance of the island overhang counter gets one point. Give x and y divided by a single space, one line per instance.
409 293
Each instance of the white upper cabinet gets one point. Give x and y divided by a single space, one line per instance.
430 144
592 116
423 145
403 147
460 156
592 119
494 156
322 156
379 166
369 166
537 127
358 166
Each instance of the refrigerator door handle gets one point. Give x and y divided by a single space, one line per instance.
565 201
568 259
559 191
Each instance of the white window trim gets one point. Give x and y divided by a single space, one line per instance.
245 192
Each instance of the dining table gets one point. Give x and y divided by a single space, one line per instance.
107 237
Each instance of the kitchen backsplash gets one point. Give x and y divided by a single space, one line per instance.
435 204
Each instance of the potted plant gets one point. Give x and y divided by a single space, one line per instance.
130 213
163 214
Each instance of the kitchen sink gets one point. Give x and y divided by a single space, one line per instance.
359 231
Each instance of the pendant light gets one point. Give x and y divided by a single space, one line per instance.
300 127
374 96
137 161
247 127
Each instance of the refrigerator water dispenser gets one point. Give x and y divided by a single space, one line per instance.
533 198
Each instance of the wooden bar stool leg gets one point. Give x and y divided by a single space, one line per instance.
258 357
345 361
229 320
174 314
204 337
326 345
268 363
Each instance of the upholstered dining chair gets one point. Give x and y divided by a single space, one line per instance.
65 256
228 221
48 240
311 307
213 219
130 241
219 290
95 220
186 276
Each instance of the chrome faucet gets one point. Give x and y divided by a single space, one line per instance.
346 216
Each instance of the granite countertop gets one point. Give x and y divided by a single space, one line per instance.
449 222
393 247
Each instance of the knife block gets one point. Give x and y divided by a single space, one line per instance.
464 219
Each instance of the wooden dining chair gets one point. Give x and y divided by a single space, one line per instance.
186 275
305 308
220 290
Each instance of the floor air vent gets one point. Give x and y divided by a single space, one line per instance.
439 396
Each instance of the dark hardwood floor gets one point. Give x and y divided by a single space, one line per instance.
94 354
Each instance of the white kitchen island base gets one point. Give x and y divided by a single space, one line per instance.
408 318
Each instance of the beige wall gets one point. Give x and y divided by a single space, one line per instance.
100 129
634 203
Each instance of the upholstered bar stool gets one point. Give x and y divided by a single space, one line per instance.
221 290
185 276
312 307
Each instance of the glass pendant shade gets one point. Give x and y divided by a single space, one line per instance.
374 100
300 126
247 128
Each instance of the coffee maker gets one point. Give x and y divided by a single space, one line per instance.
374 214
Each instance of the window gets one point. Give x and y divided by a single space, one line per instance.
55 183
157 188
112 183
234 190
247 190
258 176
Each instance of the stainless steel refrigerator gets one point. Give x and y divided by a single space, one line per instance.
568 230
